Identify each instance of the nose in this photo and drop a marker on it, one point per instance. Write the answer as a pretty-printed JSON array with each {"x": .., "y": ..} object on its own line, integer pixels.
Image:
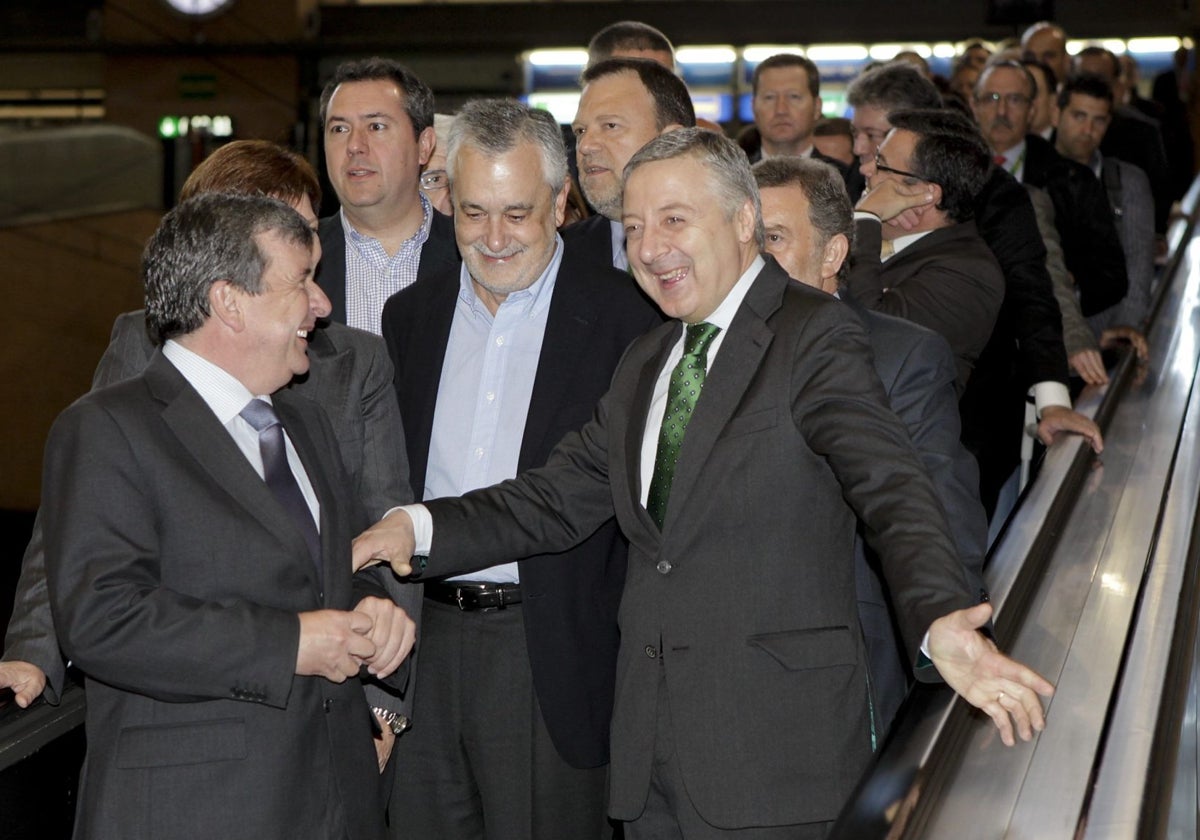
[
  {"x": 497, "y": 236},
  {"x": 585, "y": 144},
  {"x": 356, "y": 142},
  {"x": 781, "y": 105},
  {"x": 866, "y": 163},
  {"x": 318, "y": 303},
  {"x": 650, "y": 244},
  {"x": 863, "y": 147}
]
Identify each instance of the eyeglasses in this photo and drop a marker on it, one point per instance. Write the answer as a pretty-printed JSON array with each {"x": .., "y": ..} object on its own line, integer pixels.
[
  {"x": 434, "y": 179},
  {"x": 883, "y": 167},
  {"x": 1013, "y": 100}
]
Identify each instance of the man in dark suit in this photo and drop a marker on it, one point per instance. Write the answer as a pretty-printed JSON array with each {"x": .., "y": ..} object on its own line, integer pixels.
[
  {"x": 349, "y": 376},
  {"x": 939, "y": 273},
  {"x": 377, "y": 118},
  {"x": 196, "y": 527},
  {"x": 741, "y": 698},
  {"x": 625, "y": 104},
  {"x": 1025, "y": 354},
  {"x": 494, "y": 364},
  {"x": 809, "y": 229},
  {"x": 787, "y": 105}
]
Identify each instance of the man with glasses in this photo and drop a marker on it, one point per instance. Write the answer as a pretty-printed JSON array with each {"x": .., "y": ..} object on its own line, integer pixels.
[
  {"x": 1003, "y": 107},
  {"x": 939, "y": 273}
]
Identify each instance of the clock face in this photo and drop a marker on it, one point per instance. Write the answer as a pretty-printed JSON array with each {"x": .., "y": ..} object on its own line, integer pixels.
[{"x": 199, "y": 8}]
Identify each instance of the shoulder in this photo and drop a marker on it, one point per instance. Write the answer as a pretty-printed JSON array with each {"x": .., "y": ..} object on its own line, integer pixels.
[
  {"x": 586, "y": 228},
  {"x": 329, "y": 229}
]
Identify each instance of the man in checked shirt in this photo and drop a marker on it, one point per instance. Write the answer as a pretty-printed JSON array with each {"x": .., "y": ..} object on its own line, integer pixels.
[{"x": 377, "y": 118}]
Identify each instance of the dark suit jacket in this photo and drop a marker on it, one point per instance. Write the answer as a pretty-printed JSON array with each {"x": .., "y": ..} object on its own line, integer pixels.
[
  {"x": 351, "y": 378},
  {"x": 175, "y": 579},
  {"x": 569, "y": 607},
  {"x": 947, "y": 281},
  {"x": 1090, "y": 244},
  {"x": 439, "y": 252},
  {"x": 591, "y": 239},
  {"x": 916, "y": 368},
  {"x": 1026, "y": 345},
  {"x": 1138, "y": 140},
  {"x": 740, "y": 606}
]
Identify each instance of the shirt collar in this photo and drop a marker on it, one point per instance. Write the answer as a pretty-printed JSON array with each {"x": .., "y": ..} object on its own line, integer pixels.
[
  {"x": 416, "y": 240},
  {"x": 221, "y": 390},
  {"x": 1014, "y": 160},
  {"x": 722, "y": 316}
]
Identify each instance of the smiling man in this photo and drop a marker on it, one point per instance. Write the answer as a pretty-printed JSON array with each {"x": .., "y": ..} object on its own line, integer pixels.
[
  {"x": 735, "y": 446},
  {"x": 221, "y": 698},
  {"x": 377, "y": 118},
  {"x": 625, "y": 104},
  {"x": 495, "y": 362}
]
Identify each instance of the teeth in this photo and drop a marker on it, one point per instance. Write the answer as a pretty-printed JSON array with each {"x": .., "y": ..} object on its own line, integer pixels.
[
  {"x": 303, "y": 333},
  {"x": 671, "y": 275}
]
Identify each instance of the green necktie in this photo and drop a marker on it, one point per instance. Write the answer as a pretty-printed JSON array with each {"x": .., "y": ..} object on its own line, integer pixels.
[{"x": 686, "y": 381}]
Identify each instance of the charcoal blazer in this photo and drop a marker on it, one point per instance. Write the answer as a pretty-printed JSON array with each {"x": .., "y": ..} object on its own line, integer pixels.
[
  {"x": 591, "y": 239},
  {"x": 351, "y": 378},
  {"x": 175, "y": 578},
  {"x": 742, "y": 608},
  {"x": 569, "y": 604},
  {"x": 439, "y": 252}
]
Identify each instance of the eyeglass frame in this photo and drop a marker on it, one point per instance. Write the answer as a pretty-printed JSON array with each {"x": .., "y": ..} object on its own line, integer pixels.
[
  {"x": 1013, "y": 100},
  {"x": 435, "y": 172},
  {"x": 883, "y": 167}
]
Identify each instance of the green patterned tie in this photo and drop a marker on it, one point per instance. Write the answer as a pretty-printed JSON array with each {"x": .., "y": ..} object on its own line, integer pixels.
[{"x": 686, "y": 381}]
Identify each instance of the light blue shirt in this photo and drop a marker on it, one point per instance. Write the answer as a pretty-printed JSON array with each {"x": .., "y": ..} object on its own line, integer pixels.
[
  {"x": 372, "y": 276},
  {"x": 484, "y": 392}
]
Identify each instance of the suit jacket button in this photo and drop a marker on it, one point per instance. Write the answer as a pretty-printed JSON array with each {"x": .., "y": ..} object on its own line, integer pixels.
[
  {"x": 651, "y": 651},
  {"x": 664, "y": 566}
]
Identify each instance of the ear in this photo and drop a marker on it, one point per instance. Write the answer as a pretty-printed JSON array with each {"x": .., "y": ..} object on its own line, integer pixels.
[
  {"x": 834, "y": 255},
  {"x": 426, "y": 143},
  {"x": 225, "y": 305},
  {"x": 936, "y": 190},
  {"x": 744, "y": 221},
  {"x": 671, "y": 127},
  {"x": 817, "y": 108},
  {"x": 560, "y": 202}
]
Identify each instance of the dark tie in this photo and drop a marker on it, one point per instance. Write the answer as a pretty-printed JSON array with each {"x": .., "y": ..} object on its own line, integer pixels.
[
  {"x": 278, "y": 473},
  {"x": 686, "y": 381}
]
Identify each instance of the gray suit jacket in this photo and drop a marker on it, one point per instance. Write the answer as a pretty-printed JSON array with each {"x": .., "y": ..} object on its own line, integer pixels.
[
  {"x": 743, "y": 606},
  {"x": 175, "y": 579},
  {"x": 1132, "y": 203},
  {"x": 351, "y": 378}
]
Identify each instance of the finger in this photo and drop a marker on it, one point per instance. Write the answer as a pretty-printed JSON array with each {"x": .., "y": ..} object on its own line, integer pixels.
[
  {"x": 1016, "y": 709},
  {"x": 361, "y": 622},
  {"x": 1000, "y": 718},
  {"x": 402, "y": 567}
]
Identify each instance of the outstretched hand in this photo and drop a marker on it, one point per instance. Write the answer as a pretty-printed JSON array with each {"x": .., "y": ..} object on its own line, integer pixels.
[
  {"x": 987, "y": 679},
  {"x": 390, "y": 540}
]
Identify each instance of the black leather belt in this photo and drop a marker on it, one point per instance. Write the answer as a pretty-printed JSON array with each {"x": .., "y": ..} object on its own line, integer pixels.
[{"x": 474, "y": 596}]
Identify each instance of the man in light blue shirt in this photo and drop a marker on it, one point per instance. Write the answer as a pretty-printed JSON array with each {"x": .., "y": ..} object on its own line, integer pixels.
[{"x": 495, "y": 362}]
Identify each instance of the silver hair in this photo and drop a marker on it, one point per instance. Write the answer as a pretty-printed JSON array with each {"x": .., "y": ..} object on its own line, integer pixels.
[
  {"x": 732, "y": 181},
  {"x": 496, "y": 126},
  {"x": 210, "y": 237}
]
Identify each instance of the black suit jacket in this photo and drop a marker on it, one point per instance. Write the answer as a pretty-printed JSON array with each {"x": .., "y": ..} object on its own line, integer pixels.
[
  {"x": 1139, "y": 140},
  {"x": 1026, "y": 345},
  {"x": 591, "y": 239},
  {"x": 175, "y": 579},
  {"x": 947, "y": 281},
  {"x": 569, "y": 604},
  {"x": 1091, "y": 247},
  {"x": 439, "y": 252},
  {"x": 739, "y": 607}
]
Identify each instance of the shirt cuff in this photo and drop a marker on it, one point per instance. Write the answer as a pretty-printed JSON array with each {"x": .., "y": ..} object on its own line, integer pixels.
[
  {"x": 864, "y": 216},
  {"x": 1046, "y": 394},
  {"x": 422, "y": 521}
]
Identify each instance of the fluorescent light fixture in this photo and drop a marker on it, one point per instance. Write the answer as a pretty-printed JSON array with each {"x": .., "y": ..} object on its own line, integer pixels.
[
  {"x": 705, "y": 55},
  {"x": 758, "y": 52},
  {"x": 558, "y": 58},
  {"x": 1114, "y": 45},
  {"x": 838, "y": 52},
  {"x": 1073, "y": 47},
  {"x": 562, "y": 106},
  {"x": 1142, "y": 46},
  {"x": 944, "y": 50},
  {"x": 886, "y": 52}
]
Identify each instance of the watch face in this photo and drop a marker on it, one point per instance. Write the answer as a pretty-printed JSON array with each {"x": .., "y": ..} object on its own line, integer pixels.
[{"x": 198, "y": 8}]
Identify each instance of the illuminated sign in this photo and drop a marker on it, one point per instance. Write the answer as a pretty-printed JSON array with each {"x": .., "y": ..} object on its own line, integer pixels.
[{"x": 220, "y": 125}]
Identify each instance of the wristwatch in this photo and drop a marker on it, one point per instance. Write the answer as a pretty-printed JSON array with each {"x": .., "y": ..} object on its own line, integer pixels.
[{"x": 392, "y": 720}]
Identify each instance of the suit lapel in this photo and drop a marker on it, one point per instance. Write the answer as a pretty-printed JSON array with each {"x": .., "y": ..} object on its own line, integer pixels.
[
  {"x": 422, "y": 369},
  {"x": 737, "y": 363},
  {"x": 318, "y": 470},
  {"x": 331, "y": 273},
  {"x": 647, "y": 532},
  {"x": 192, "y": 422},
  {"x": 332, "y": 387}
]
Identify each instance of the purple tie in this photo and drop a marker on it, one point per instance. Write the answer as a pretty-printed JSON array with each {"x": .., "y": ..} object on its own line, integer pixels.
[{"x": 278, "y": 472}]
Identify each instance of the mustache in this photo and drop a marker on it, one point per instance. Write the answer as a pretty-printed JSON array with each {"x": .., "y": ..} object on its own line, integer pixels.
[
  {"x": 510, "y": 251},
  {"x": 1001, "y": 122}
]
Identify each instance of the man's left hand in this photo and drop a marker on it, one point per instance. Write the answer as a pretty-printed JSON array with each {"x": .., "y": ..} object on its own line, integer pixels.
[
  {"x": 987, "y": 679},
  {"x": 392, "y": 631},
  {"x": 1059, "y": 418}
]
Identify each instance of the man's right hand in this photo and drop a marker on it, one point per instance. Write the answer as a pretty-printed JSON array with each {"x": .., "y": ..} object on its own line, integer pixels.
[
  {"x": 333, "y": 644},
  {"x": 25, "y": 679},
  {"x": 890, "y": 199},
  {"x": 390, "y": 540}
]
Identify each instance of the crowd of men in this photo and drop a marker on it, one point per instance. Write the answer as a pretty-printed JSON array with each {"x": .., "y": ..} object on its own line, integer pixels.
[{"x": 663, "y": 530}]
